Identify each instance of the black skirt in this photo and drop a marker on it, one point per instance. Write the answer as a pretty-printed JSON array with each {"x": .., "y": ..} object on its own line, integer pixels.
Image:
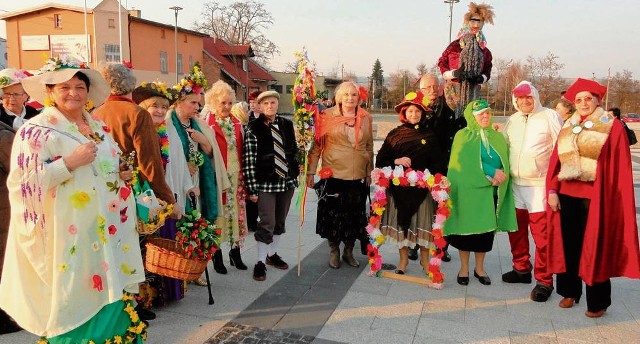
[
  {"x": 472, "y": 242},
  {"x": 342, "y": 209}
]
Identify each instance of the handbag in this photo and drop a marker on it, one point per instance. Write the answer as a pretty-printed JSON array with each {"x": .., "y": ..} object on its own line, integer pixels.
[
  {"x": 147, "y": 204},
  {"x": 631, "y": 135}
]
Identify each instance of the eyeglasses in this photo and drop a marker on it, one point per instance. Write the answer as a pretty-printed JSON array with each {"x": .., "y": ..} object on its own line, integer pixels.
[
  {"x": 478, "y": 20},
  {"x": 585, "y": 99},
  {"x": 14, "y": 95}
]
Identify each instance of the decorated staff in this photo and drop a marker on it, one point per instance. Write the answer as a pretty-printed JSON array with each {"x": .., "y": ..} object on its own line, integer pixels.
[{"x": 466, "y": 63}]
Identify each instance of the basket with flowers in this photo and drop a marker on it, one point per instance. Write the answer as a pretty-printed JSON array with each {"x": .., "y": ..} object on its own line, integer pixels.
[{"x": 198, "y": 237}]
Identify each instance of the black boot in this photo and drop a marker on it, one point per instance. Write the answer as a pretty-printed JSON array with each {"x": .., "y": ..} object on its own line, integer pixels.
[
  {"x": 363, "y": 245},
  {"x": 218, "y": 264},
  {"x": 235, "y": 259}
]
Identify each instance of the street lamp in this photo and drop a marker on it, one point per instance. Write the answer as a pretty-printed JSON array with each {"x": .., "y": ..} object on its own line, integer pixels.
[
  {"x": 176, "y": 9},
  {"x": 451, "y": 2}
]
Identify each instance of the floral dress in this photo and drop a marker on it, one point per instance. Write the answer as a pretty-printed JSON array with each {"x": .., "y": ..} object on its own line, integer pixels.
[{"x": 72, "y": 246}]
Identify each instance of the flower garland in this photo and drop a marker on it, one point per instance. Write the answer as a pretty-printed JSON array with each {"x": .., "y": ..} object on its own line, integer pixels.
[
  {"x": 226, "y": 124},
  {"x": 194, "y": 83},
  {"x": 164, "y": 142},
  {"x": 306, "y": 108},
  {"x": 438, "y": 185},
  {"x": 137, "y": 328}
]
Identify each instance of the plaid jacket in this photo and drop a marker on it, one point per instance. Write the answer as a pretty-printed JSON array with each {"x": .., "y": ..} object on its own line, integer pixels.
[{"x": 249, "y": 168}]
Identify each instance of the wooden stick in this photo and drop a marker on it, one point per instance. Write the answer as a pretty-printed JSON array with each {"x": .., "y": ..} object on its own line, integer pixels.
[{"x": 406, "y": 278}]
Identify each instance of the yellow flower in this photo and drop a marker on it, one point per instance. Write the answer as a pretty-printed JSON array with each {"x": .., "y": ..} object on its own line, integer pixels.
[
  {"x": 126, "y": 269},
  {"x": 117, "y": 340},
  {"x": 101, "y": 221},
  {"x": 42, "y": 341},
  {"x": 108, "y": 341},
  {"x": 143, "y": 84},
  {"x": 125, "y": 248},
  {"x": 416, "y": 126},
  {"x": 423, "y": 141},
  {"x": 80, "y": 199},
  {"x": 89, "y": 105},
  {"x": 64, "y": 267},
  {"x": 370, "y": 261},
  {"x": 380, "y": 239},
  {"x": 132, "y": 329},
  {"x": 379, "y": 211},
  {"x": 127, "y": 297},
  {"x": 91, "y": 342},
  {"x": 430, "y": 181},
  {"x": 395, "y": 181}
]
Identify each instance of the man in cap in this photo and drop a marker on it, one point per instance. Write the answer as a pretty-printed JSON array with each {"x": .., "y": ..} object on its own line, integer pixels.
[
  {"x": 270, "y": 170},
  {"x": 531, "y": 134},
  {"x": 13, "y": 110}
]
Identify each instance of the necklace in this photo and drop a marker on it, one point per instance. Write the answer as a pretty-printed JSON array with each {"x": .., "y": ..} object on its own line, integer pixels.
[{"x": 164, "y": 142}]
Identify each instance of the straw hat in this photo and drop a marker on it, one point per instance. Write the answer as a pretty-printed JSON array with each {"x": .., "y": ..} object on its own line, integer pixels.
[
  {"x": 12, "y": 76},
  {"x": 61, "y": 69}
]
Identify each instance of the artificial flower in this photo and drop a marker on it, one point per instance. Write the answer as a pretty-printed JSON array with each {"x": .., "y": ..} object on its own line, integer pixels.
[
  {"x": 325, "y": 173},
  {"x": 79, "y": 199},
  {"x": 72, "y": 229}
]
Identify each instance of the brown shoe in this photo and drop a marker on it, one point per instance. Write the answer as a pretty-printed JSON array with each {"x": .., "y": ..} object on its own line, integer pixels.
[
  {"x": 277, "y": 262},
  {"x": 334, "y": 255},
  {"x": 568, "y": 302},
  {"x": 595, "y": 314}
]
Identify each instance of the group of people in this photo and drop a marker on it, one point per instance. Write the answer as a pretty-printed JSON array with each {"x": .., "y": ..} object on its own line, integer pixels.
[{"x": 69, "y": 238}]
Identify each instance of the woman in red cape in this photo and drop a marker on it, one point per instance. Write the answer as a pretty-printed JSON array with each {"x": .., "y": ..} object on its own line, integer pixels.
[{"x": 593, "y": 234}]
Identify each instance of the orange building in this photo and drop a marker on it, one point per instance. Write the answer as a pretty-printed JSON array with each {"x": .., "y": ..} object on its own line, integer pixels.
[{"x": 35, "y": 33}]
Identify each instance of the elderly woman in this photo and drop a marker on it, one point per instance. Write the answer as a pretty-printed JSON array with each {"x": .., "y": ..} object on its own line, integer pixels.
[
  {"x": 409, "y": 215},
  {"x": 228, "y": 132},
  {"x": 72, "y": 246},
  {"x": 565, "y": 108},
  {"x": 240, "y": 111},
  {"x": 593, "y": 235},
  {"x": 481, "y": 192},
  {"x": 156, "y": 98},
  {"x": 13, "y": 110},
  {"x": 198, "y": 144},
  {"x": 466, "y": 62},
  {"x": 344, "y": 142}
]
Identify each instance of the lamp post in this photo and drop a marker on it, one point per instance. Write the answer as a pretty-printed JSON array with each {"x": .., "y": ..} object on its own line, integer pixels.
[
  {"x": 451, "y": 2},
  {"x": 176, "y": 9}
]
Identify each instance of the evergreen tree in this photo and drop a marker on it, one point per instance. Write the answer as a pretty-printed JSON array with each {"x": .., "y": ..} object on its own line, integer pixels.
[{"x": 377, "y": 81}]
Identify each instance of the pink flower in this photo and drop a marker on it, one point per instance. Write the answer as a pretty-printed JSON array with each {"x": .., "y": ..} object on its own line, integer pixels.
[
  {"x": 52, "y": 119},
  {"x": 113, "y": 206},
  {"x": 435, "y": 262},
  {"x": 380, "y": 195},
  {"x": 73, "y": 229},
  {"x": 105, "y": 266}
]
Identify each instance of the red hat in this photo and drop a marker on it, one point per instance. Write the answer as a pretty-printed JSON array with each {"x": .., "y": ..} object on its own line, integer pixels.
[
  {"x": 414, "y": 98},
  {"x": 253, "y": 95},
  {"x": 582, "y": 85}
]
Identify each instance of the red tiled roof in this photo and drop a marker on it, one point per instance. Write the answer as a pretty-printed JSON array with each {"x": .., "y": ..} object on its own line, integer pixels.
[
  {"x": 232, "y": 63},
  {"x": 244, "y": 50}
]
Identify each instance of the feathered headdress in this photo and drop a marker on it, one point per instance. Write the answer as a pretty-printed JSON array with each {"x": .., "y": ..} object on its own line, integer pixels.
[{"x": 483, "y": 10}]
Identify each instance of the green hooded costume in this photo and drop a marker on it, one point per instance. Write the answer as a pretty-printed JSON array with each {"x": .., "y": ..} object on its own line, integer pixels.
[{"x": 472, "y": 194}]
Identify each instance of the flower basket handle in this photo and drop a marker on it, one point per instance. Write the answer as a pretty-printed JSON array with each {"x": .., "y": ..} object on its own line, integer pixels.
[{"x": 192, "y": 199}]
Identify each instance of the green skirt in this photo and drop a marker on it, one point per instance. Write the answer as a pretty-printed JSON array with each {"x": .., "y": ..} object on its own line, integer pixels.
[{"x": 112, "y": 321}]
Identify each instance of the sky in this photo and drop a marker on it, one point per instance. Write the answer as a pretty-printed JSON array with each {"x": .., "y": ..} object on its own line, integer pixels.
[{"x": 589, "y": 36}]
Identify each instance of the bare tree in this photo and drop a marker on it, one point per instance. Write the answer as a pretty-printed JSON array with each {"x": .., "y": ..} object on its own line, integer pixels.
[
  {"x": 241, "y": 22},
  {"x": 400, "y": 83},
  {"x": 544, "y": 73},
  {"x": 422, "y": 69},
  {"x": 624, "y": 92}
]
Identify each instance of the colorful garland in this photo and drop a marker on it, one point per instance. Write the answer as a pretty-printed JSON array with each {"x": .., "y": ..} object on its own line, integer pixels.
[
  {"x": 164, "y": 142},
  {"x": 137, "y": 328},
  {"x": 438, "y": 185},
  {"x": 306, "y": 108}
]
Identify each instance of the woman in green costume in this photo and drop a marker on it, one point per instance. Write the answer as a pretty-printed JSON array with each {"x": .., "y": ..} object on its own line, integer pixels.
[{"x": 480, "y": 190}]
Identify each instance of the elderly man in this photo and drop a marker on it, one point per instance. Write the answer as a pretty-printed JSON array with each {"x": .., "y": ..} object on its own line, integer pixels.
[
  {"x": 271, "y": 171},
  {"x": 531, "y": 134},
  {"x": 445, "y": 125},
  {"x": 13, "y": 110}
]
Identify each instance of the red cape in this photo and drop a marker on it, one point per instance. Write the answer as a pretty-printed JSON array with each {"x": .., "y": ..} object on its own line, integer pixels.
[{"x": 610, "y": 246}]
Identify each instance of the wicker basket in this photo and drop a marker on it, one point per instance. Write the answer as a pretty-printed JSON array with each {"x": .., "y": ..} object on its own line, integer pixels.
[{"x": 164, "y": 257}]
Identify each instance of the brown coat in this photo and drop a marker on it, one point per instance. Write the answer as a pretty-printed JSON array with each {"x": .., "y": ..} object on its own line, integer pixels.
[
  {"x": 6, "y": 140},
  {"x": 133, "y": 129},
  {"x": 339, "y": 154}
]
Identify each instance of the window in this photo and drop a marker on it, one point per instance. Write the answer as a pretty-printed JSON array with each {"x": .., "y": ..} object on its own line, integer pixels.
[
  {"x": 57, "y": 21},
  {"x": 289, "y": 89},
  {"x": 179, "y": 63},
  {"x": 112, "y": 52},
  {"x": 162, "y": 33},
  {"x": 112, "y": 23},
  {"x": 185, "y": 38},
  {"x": 163, "y": 62},
  {"x": 277, "y": 88}
]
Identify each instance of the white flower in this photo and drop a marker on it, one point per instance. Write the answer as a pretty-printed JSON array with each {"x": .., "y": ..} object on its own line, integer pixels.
[
  {"x": 412, "y": 177},
  {"x": 398, "y": 171},
  {"x": 426, "y": 175}
]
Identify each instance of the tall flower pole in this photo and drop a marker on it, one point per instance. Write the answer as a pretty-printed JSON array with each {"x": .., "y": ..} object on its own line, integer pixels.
[{"x": 304, "y": 103}]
